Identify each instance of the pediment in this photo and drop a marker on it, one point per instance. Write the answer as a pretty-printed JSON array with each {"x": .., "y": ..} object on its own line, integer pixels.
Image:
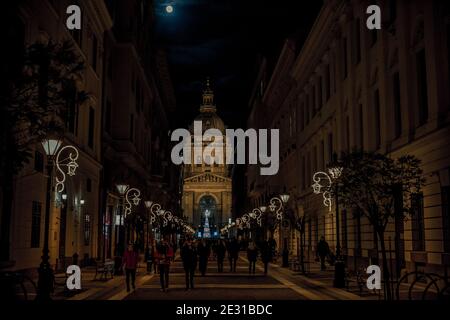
[{"x": 207, "y": 177}]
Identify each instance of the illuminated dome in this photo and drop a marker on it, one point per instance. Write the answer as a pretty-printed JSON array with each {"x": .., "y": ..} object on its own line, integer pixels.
[{"x": 208, "y": 115}]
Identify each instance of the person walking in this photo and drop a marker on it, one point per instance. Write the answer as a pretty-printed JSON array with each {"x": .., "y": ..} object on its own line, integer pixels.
[
  {"x": 129, "y": 262},
  {"x": 203, "y": 255},
  {"x": 189, "y": 257},
  {"x": 220, "y": 255},
  {"x": 233, "y": 254},
  {"x": 154, "y": 255},
  {"x": 266, "y": 255},
  {"x": 164, "y": 256},
  {"x": 323, "y": 250},
  {"x": 252, "y": 255}
]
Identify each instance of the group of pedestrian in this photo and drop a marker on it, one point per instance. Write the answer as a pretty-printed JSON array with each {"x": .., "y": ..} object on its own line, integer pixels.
[{"x": 160, "y": 255}]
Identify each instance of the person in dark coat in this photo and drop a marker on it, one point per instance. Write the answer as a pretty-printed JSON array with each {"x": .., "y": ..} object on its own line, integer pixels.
[
  {"x": 164, "y": 254},
  {"x": 252, "y": 255},
  {"x": 203, "y": 255},
  {"x": 266, "y": 255},
  {"x": 220, "y": 254},
  {"x": 323, "y": 250},
  {"x": 233, "y": 254},
  {"x": 189, "y": 256}
]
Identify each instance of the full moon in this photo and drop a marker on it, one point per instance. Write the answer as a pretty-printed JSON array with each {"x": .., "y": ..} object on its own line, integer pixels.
[{"x": 169, "y": 9}]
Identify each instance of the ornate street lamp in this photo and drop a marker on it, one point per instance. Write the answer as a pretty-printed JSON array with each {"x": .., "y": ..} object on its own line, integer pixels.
[
  {"x": 121, "y": 188},
  {"x": 70, "y": 162},
  {"x": 132, "y": 198},
  {"x": 53, "y": 151},
  {"x": 327, "y": 184}
]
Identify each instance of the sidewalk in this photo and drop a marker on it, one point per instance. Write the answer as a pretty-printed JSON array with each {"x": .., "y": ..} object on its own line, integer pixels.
[{"x": 325, "y": 279}]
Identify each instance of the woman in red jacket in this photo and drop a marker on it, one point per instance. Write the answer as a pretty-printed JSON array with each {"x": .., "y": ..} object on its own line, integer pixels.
[{"x": 130, "y": 261}]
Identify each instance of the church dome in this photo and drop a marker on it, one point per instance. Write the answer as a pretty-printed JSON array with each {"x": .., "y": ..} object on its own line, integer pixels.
[{"x": 208, "y": 115}]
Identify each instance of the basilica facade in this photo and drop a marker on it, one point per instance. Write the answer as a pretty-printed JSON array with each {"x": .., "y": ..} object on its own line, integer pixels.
[{"x": 207, "y": 198}]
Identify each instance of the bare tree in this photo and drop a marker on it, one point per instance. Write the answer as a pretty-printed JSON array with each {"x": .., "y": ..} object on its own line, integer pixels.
[{"x": 370, "y": 182}]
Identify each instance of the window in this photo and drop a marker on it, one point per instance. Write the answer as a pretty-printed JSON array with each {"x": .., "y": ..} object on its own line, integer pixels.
[
  {"x": 357, "y": 226},
  {"x": 294, "y": 117},
  {"x": 88, "y": 185},
  {"x": 138, "y": 96},
  {"x": 72, "y": 112},
  {"x": 110, "y": 68},
  {"x": 330, "y": 147},
  {"x": 373, "y": 37},
  {"x": 319, "y": 94},
  {"x": 308, "y": 168},
  {"x": 108, "y": 116},
  {"x": 314, "y": 168},
  {"x": 38, "y": 161},
  {"x": 376, "y": 104},
  {"x": 36, "y": 211},
  {"x": 418, "y": 228},
  {"x": 327, "y": 83},
  {"x": 392, "y": 10},
  {"x": 448, "y": 50},
  {"x": 87, "y": 229},
  {"x": 445, "y": 194},
  {"x": 361, "y": 126},
  {"x": 316, "y": 225},
  {"x": 422, "y": 89},
  {"x": 309, "y": 233},
  {"x": 91, "y": 130},
  {"x": 344, "y": 53},
  {"x": 307, "y": 110},
  {"x": 322, "y": 156},
  {"x": 347, "y": 133},
  {"x": 94, "y": 52},
  {"x": 302, "y": 117},
  {"x": 131, "y": 127},
  {"x": 357, "y": 41},
  {"x": 77, "y": 36},
  {"x": 290, "y": 126},
  {"x": 303, "y": 173},
  {"x": 397, "y": 104},
  {"x": 344, "y": 229}
]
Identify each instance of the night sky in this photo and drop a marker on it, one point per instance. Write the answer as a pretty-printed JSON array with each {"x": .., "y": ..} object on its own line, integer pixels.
[{"x": 223, "y": 39}]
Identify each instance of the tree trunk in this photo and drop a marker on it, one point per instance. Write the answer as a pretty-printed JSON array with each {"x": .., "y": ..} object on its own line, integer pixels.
[{"x": 386, "y": 276}]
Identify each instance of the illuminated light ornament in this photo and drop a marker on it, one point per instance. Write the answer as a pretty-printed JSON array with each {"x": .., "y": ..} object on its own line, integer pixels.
[
  {"x": 70, "y": 162},
  {"x": 335, "y": 172},
  {"x": 131, "y": 195},
  {"x": 278, "y": 209},
  {"x": 320, "y": 176},
  {"x": 122, "y": 188}
]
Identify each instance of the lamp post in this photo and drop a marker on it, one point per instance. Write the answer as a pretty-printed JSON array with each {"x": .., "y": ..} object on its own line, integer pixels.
[
  {"x": 53, "y": 151},
  {"x": 132, "y": 198},
  {"x": 328, "y": 190},
  {"x": 148, "y": 204},
  {"x": 121, "y": 188},
  {"x": 45, "y": 282}
]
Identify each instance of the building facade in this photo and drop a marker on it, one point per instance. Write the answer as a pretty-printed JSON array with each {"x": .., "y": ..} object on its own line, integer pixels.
[
  {"x": 375, "y": 90},
  {"x": 121, "y": 133},
  {"x": 138, "y": 97},
  {"x": 74, "y": 220},
  {"x": 207, "y": 195}
]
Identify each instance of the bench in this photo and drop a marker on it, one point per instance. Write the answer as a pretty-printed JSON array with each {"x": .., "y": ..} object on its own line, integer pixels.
[{"x": 104, "y": 268}]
